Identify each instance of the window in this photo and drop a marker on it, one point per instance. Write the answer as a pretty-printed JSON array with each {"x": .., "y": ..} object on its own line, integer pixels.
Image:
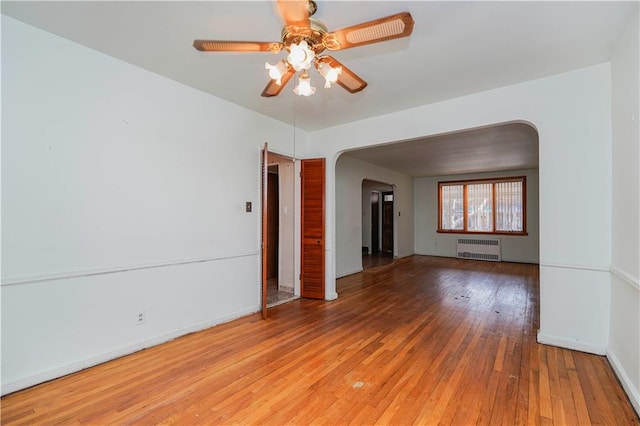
[{"x": 493, "y": 206}]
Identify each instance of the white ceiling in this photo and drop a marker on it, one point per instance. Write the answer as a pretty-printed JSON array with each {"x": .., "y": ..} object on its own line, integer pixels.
[
  {"x": 506, "y": 147},
  {"x": 457, "y": 48}
]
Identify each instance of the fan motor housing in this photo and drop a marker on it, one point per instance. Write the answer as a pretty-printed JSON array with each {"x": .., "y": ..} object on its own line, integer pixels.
[{"x": 313, "y": 35}]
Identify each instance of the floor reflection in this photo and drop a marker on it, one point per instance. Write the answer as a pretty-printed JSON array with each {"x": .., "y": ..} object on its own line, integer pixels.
[{"x": 376, "y": 259}]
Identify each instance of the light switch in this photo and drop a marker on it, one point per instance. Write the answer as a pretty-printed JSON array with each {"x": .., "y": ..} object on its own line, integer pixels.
[{"x": 247, "y": 206}]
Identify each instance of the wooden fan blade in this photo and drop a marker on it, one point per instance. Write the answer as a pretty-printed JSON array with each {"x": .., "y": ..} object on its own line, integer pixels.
[
  {"x": 382, "y": 29},
  {"x": 347, "y": 79},
  {"x": 295, "y": 12},
  {"x": 273, "y": 89},
  {"x": 237, "y": 46}
]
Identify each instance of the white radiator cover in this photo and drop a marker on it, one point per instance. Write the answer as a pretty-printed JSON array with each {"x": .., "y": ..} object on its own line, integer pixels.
[{"x": 479, "y": 249}]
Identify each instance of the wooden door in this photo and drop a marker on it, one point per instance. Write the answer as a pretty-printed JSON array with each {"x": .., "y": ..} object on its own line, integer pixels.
[
  {"x": 387, "y": 222},
  {"x": 312, "y": 220},
  {"x": 263, "y": 251},
  {"x": 375, "y": 220}
]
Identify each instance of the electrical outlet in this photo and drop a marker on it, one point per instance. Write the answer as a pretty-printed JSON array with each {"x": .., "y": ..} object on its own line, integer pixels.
[{"x": 140, "y": 318}]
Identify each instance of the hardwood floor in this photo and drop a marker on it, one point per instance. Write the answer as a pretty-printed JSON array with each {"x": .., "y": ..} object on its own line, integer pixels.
[
  {"x": 422, "y": 341},
  {"x": 376, "y": 259}
]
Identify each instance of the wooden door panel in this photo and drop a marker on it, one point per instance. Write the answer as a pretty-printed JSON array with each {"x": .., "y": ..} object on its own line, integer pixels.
[
  {"x": 313, "y": 276},
  {"x": 312, "y": 220}
]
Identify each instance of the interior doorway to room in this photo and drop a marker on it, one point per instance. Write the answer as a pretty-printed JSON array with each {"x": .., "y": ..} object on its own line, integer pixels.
[
  {"x": 273, "y": 201},
  {"x": 387, "y": 223},
  {"x": 280, "y": 230},
  {"x": 377, "y": 224}
]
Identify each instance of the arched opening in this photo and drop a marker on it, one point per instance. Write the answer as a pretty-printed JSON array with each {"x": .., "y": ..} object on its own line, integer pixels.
[{"x": 416, "y": 167}]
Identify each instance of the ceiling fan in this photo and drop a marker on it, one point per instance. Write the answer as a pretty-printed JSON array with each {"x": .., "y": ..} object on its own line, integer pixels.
[{"x": 304, "y": 38}]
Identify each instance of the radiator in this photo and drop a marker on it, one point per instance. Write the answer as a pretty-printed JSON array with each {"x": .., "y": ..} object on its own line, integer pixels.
[{"x": 479, "y": 249}]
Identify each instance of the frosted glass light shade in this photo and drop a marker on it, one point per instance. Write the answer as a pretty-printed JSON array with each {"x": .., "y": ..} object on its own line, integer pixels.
[
  {"x": 276, "y": 71},
  {"x": 304, "y": 87},
  {"x": 329, "y": 73},
  {"x": 300, "y": 56}
]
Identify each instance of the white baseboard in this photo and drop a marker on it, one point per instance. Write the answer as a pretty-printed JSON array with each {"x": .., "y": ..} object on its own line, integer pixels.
[
  {"x": 546, "y": 339},
  {"x": 344, "y": 274},
  {"x": 627, "y": 385},
  {"x": 120, "y": 352}
]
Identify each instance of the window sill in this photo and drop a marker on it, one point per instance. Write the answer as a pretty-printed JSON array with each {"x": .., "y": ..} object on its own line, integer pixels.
[{"x": 518, "y": 234}]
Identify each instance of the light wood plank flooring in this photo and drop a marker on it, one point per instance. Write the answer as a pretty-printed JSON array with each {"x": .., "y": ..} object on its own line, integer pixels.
[
  {"x": 422, "y": 341},
  {"x": 376, "y": 259}
]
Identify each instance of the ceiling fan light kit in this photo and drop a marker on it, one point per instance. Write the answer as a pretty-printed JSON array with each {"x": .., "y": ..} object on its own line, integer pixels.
[{"x": 304, "y": 38}]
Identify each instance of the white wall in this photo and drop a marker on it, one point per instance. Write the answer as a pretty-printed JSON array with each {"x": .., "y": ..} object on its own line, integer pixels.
[
  {"x": 624, "y": 339},
  {"x": 348, "y": 206},
  {"x": 122, "y": 192},
  {"x": 430, "y": 242},
  {"x": 572, "y": 114}
]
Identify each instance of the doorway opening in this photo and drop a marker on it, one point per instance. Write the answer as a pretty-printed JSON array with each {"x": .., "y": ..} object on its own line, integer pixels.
[
  {"x": 377, "y": 224},
  {"x": 280, "y": 230}
]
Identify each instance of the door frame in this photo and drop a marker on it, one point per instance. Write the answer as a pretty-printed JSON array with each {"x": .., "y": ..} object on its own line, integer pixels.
[
  {"x": 264, "y": 170},
  {"x": 384, "y": 228},
  {"x": 375, "y": 221},
  {"x": 295, "y": 211}
]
